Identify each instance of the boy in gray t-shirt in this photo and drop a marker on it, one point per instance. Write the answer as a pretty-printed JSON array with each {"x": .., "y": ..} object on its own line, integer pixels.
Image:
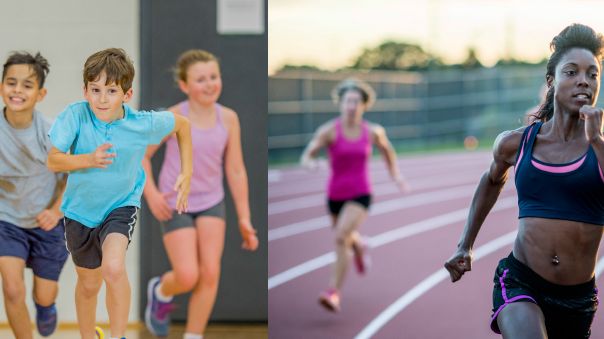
[{"x": 31, "y": 227}]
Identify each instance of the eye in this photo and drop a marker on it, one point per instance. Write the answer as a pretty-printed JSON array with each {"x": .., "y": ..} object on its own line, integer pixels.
[
  {"x": 112, "y": 91},
  {"x": 570, "y": 73},
  {"x": 95, "y": 90}
]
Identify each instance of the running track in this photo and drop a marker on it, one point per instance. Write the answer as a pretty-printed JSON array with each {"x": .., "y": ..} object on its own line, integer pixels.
[{"x": 407, "y": 294}]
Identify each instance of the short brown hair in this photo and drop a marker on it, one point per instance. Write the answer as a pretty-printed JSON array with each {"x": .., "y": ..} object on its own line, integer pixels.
[
  {"x": 116, "y": 64},
  {"x": 352, "y": 84},
  {"x": 38, "y": 63},
  {"x": 190, "y": 57}
]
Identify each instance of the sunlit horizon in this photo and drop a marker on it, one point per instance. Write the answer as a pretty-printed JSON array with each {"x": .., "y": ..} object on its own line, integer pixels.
[{"x": 330, "y": 34}]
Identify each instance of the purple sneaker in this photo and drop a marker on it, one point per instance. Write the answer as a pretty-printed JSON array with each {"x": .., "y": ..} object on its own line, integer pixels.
[
  {"x": 157, "y": 313},
  {"x": 46, "y": 319}
]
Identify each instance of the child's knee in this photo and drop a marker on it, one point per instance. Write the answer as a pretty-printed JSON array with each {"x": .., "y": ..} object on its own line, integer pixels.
[
  {"x": 13, "y": 291},
  {"x": 210, "y": 275},
  {"x": 45, "y": 294},
  {"x": 187, "y": 279},
  {"x": 113, "y": 271},
  {"x": 89, "y": 287}
]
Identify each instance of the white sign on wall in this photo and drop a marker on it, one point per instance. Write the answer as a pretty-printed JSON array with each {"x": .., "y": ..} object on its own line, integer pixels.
[{"x": 240, "y": 17}]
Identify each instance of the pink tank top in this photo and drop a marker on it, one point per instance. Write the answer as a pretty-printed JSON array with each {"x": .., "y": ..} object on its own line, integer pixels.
[
  {"x": 349, "y": 160},
  {"x": 208, "y": 152}
]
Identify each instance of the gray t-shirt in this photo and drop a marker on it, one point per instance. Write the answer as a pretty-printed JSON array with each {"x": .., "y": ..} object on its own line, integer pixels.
[{"x": 26, "y": 185}]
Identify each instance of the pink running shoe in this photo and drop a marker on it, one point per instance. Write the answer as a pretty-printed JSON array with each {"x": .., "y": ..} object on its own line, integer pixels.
[
  {"x": 362, "y": 260},
  {"x": 330, "y": 299}
]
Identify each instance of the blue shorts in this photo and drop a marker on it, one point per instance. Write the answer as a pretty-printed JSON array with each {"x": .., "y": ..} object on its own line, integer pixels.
[{"x": 43, "y": 251}]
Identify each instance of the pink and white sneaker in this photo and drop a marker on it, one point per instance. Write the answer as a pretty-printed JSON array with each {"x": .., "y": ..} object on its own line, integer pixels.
[
  {"x": 362, "y": 260},
  {"x": 330, "y": 299}
]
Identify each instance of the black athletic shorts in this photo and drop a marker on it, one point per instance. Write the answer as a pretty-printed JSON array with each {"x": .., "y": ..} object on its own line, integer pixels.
[
  {"x": 86, "y": 243},
  {"x": 568, "y": 310},
  {"x": 335, "y": 206}
]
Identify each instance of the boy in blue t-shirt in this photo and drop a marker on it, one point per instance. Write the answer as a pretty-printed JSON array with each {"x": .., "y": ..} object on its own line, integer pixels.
[
  {"x": 101, "y": 143},
  {"x": 31, "y": 228}
]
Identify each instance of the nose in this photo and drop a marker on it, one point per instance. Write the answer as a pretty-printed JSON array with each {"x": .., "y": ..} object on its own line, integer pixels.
[
  {"x": 582, "y": 79},
  {"x": 103, "y": 97}
]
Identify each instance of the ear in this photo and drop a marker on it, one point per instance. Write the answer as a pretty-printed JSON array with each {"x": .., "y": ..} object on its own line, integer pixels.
[
  {"x": 183, "y": 87},
  {"x": 128, "y": 95},
  {"x": 41, "y": 94},
  {"x": 549, "y": 80},
  {"x": 84, "y": 90}
]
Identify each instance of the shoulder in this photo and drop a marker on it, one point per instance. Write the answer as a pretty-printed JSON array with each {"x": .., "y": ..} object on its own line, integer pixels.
[
  {"x": 78, "y": 106},
  {"x": 507, "y": 143},
  {"x": 75, "y": 112},
  {"x": 375, "y": 128},
  {"x": 44, "y": 121},
  {"x": 327, "y": 127},
  {"x": 228, "y": 115},
  {"x": 327, "y": 131},
  {"x": 134, "y": 114}
]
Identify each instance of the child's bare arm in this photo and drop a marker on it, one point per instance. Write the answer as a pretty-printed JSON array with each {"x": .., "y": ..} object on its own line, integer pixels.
[
  {"x": 182, "y": 128},
  {"x": 49, "y": 218},
  {"x": 237, "y": 180},
  {"x": 63, "y": 162}
]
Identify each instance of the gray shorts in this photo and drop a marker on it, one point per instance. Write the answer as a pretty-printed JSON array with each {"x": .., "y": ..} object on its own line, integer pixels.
[{"x": 188, "y": 219}]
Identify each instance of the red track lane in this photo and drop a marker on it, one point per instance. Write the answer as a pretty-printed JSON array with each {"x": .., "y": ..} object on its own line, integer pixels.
[{"x": 446, "y": 310}]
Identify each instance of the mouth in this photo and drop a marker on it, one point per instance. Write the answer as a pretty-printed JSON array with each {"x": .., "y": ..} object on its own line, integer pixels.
[
  {"x": 16, "y": 100},
  {"x": 582, "y": 96}
]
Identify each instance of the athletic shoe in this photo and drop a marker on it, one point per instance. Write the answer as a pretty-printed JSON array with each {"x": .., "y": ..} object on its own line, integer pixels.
[
  {"x": 330, "y": 299},
  {"x": 157, "y": 313},
  {"x": 46, "y": 319},
  {"x": 98, "y": 332},
  {"x": 362, "y": 260}
]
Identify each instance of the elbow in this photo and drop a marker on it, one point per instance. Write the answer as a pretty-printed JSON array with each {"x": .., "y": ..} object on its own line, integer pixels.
[
  {"x": 52, "y": 166},
  {"x": 235, "y": 172}
]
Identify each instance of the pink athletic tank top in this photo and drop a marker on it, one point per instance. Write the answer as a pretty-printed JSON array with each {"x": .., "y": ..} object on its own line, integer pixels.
[
  {"x": 349, "y": 160},
  {"x": 208, "y": 151}
]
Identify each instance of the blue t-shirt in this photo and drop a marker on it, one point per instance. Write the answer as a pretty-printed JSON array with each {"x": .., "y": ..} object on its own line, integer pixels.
[{"x": 92, "y": 193}]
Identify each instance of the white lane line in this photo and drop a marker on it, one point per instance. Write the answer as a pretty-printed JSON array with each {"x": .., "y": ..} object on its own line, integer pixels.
[
  {"x": 377, "y": 209},
  {"x": 319, "y": 199},
  {"x": 274, "y": 176},
  {"x": 383, "y": 239},
  {"x": 315, "y": 182},
  {"x": 295, "y": 172},
  {"x": 400, "y": 304}
]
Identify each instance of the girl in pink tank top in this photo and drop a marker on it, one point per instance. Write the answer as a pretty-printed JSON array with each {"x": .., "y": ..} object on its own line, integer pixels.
[
  {"x": 349, "y": 141},
  {"x": 194, "y": 240},
  {"x": 349, "y": 162}
]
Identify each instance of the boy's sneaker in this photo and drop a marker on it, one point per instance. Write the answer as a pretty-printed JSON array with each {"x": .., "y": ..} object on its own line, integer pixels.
[
  {"x": 98, "y": 332},
  {"x": 157, "y": 313},
  {"x": 46, "y": 319},
  {"x": 330, "y": 299},
  {"x": 362, "y": 260}
]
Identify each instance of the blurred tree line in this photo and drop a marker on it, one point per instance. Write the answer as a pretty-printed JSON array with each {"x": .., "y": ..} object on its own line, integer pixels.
[{"x": 395, "y": 55}]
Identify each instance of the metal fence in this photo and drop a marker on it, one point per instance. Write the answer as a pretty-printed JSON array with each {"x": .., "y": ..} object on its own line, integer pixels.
[{"x": 420, "y": 110}]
